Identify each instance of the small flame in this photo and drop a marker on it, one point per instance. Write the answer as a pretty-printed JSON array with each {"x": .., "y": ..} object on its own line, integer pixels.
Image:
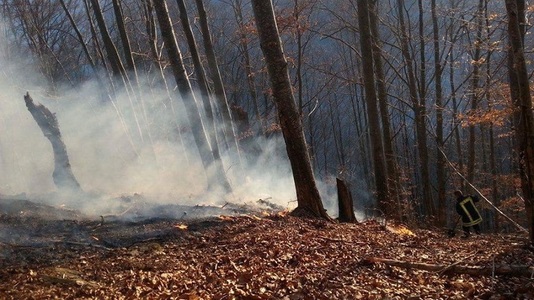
[{"x": 181, "y": 226}]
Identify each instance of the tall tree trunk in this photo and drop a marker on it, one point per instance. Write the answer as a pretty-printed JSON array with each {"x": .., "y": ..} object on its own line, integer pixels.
[
  {"x": 113, "y": 55},
  {"x": 422, "y": 51},
  {"x": 78, "y": 35},
  {"x": 475, "y": 92},
  {"x": 389, "y": 154},
  {"x": 123, "y": 35},
  {"x": 490, "y": 100},
  {"x": 380, "y": 172},
  {"x": 200, "y": 74},
  {"x": 100, "y": 55},
  {"x": 133, "y": 83},
  {"x": 184, "y": 86},
  {"x": 522, "y": 102},
  {"x": 251, "y": 81},
  {"x": 441, "y": 163},
  {"x": 218, "y": 85},
  {"x": 419, "y": 109},
  {"x": 308, "y": 198},
  {"x": 202, "y": 82},
  {"x": 455, "y": 128},
  {"x": 151, "y": 29}
]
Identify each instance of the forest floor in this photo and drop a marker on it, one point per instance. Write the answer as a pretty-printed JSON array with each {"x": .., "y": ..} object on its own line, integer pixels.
[{"x": 46, "y": 255}]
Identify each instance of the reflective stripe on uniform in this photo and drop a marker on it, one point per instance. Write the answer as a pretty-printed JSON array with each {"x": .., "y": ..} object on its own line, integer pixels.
[{"x": 472, "y": 220}]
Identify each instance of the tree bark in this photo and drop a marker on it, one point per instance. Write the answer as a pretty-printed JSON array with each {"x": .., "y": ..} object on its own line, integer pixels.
[
  {"x": 308, "y": 198},
  {"x": 440, "y": 161},
  {"x": 113, "y": 55},
  {"x": 184, "y": 86},
  {"x": 380, "y": 171},
  {"x": 200, "y": 75},
  {"x": 251, "y": 81},
  {"x": 393, "y": 173},
  {"x": 218, "y": 86},
  {"x": 475, "y": 92},
  {"x": 523, "y": 117},
  {"x": 346, "y": 207},
  {"x": 124, "y": 35},
  {"x": 63, "y": 177},
  {"x": 419, "y": 108}
]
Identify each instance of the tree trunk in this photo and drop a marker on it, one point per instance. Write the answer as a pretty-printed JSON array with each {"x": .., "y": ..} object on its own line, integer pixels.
[
  {"x": 475, "y": 92},
  {"x": 456, "y": 130},
  {"x": 440, "y": 164},
  {"x": 393, "y": 176},
  {"x": 308, "y": 198},
  {"x": 63, "y": 177},
  {"x": 124, "y": 35},
  {"x": 346, "y": 207},
  {"x": 251, "y": 82},
  {"x": 380, "y": 172},
  {"x": 218, "y": 85},
  {"x": 184, "y": 86},
  {"x": 111, "y": 50},
  {"x": 78, "y": 35},
  {"x": 200, "y": 75},
  {"x": 203, "y": 84},
  {"x": 419, "y": 108},
  {"x": 521, "y": 100}
]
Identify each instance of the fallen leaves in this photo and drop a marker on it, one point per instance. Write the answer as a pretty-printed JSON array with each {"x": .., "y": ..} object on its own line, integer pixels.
[{"x": 276, "y": 257}]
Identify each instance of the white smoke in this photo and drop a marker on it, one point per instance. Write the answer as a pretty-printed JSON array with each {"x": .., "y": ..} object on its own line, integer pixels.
[{"x": 120, "y": 146}]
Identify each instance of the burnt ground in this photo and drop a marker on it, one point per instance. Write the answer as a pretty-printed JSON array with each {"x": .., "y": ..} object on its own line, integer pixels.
[{"x": 232, "y": 252}]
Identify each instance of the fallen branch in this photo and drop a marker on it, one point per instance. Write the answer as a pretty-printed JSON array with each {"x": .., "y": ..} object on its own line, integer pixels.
[
  {"x": 444, "y": 270},
  {"x": 85, "y": 245},
  {"x": 504, "y": 270}
]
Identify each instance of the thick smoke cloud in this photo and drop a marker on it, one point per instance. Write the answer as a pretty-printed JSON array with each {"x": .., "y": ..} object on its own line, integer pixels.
[{"x": 120, "y": 145}]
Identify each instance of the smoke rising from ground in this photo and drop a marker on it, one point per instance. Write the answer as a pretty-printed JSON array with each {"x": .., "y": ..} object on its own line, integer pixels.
[{"x": 122, "y": 145}]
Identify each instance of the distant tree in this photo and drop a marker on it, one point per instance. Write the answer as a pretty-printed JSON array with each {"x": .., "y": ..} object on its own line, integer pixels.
[
  {"x": 308, "y": 198},
  {"x": 113, "y": 55}
]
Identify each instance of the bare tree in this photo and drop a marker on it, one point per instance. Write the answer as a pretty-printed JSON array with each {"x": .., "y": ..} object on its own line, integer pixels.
[
  {"x": 113, "y": 55},
  {"x": 419, "y": 109},
  {"x": 308, "y": 198},
  {"x": 438, "y": 81},
  {"x": 218, "y": 86},
  {"x": 202, "y": 81},
  {"x": 380, "y": 171},
  {"x": 184, "y": 86}
]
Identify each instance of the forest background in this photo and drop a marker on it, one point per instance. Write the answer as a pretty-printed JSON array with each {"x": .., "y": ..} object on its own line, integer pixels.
[{"x": 442, "y": 105}]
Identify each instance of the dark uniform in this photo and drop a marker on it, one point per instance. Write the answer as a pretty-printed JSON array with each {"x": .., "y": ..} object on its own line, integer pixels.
[{"x": 465, "y": 207}]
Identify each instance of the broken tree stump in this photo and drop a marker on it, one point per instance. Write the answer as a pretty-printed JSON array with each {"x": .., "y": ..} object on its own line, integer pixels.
[
  {"x": 346, "y": 207},
  {"x": 63, "y": 177}
]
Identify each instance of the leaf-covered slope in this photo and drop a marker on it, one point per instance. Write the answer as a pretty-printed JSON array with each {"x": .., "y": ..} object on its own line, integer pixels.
[{"x": 276, "y": 257}]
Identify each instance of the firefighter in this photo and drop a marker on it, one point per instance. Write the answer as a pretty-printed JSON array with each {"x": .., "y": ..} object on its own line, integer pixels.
[{"x": 465, "y": 207}]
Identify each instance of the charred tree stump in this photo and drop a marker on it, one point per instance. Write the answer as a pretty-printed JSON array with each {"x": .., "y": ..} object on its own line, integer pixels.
[
  {"x": 63, "y": 177},
  {"x": 346, "y": 208}
]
